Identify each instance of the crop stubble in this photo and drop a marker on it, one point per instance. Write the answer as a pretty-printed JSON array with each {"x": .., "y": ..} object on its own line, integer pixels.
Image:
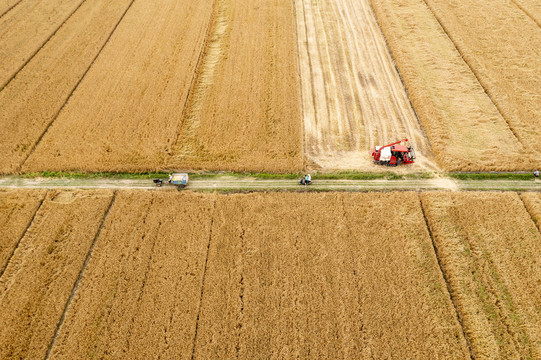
[
  {"x": 140, "y": 293},
  {"x": 324, "y": 276},
  {"x": 243, "y": 112},
  {"x": 489, "y": 249},
  {"x": 42, "y": 272},
  {"x": 466, "y": 130},
  {"x": 353, "y": 98},
  {"x": 504, "y": 52},
  {"x": 125, "y": 113},
  {"x": 31, "y": 101},
  {"x": 17, "y": 208},
  {"x": 25, "y": 29}
]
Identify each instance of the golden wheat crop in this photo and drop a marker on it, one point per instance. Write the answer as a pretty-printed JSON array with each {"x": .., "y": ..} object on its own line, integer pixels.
[
  {"x": 465, "y": 129},
  {"x": 17, "y": 208},
  {"x": 532, "y": 8},
  {"x": 502, "y": 51},
  {"x": 40, "y": 276},
  {"x": 140, "y": 294},
  {"x": 32, "y": 100},
  {"x": 243, "y": 112},
  {"x": 489, "y": 249},
  {"x": 26, "y": 28},
  {"x": 325, "y": 276},
  {"x": 124, "y": 116},
  {"x": 532, "y": 201}
]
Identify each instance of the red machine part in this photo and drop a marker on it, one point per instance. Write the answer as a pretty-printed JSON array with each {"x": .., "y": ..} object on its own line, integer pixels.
[{"x": 394, "y": 155}]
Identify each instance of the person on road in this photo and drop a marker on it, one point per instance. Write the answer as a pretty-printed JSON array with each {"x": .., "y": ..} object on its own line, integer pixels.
[
  {"x": 308, "y": 179},
  {"x": 536, "y": 173}
]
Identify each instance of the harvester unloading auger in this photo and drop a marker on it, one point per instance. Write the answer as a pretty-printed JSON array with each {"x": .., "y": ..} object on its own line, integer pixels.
[{"x": 393, "y": 154}]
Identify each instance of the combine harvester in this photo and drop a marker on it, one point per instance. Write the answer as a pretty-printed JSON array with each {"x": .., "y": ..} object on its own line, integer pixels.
[{"x": 393, "y": 154}]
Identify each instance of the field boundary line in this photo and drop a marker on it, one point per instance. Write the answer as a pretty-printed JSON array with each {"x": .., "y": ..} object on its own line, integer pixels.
[
  {"x": 30, "y": 223},
  {"x": 474, "y": 72},
  {"x": 527, "y": 207},
  {"x": 445, "y": 278},
  {"x": 76, "y": 285},
  {"x": 3, "y": 86},
  {"x": 526, "y": 12},
  {"x": 73, "y": 90},
  {"x": 299, "y": 88},
  {"x": 10, "y": 8},
  {"x": 193, "y": 80},
  {"x": 203, "y": 278},
  {"x": 371, "y": 4}
]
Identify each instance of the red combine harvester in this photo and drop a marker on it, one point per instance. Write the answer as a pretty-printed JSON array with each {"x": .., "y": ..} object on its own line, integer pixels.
[{"x": 393, "y": 154}]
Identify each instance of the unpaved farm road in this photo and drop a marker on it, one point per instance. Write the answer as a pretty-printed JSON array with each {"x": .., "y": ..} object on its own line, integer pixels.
[{"x": 230, "y": 183}]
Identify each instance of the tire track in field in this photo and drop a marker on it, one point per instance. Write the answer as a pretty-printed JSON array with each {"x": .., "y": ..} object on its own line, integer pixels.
[
  {"x": 445, "y": 276},
  {"x": 23, "y": 235},
  {"x": 41, "y": 46},
  {"x": 31, "y": 152},
  {"x": 10, "y": 8},
  {"x": 474, "y": 72},
  {"x": 353, "y": 96},
  {"x": 80, "y": 276},
  {"x": 194, "y": 341}
]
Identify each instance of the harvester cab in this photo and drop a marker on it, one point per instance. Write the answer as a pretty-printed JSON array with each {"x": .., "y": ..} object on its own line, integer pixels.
[{"x": 393, "y": 154}]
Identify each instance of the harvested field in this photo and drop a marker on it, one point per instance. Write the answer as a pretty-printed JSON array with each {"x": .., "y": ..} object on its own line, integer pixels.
[
  {"x": 17, "y": 209},
  {"x": 337, "y": 282},
  {"x": 466, "y": 130},
  {"x": 502, "y": 45},
  {"x": 40, "y": 276},
  {"x": 125, "y": 114},
  {"x": 26, "y": 28},
  {"x": 489, "y": 249},
  {"x": 139, "y": 296},
  {"x": 353, "y": 98},
  {"x": 31, "y": 101},
  {"x": 243, "y": 112}
]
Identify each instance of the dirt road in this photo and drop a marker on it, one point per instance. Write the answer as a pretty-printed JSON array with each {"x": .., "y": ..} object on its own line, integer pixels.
[
  {"x": 353, "y": 98},
  {"x": 233, "y": 183}
]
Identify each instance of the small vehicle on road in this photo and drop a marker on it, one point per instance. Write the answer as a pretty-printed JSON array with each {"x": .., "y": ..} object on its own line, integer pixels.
[{"x": 180, "y": 180}]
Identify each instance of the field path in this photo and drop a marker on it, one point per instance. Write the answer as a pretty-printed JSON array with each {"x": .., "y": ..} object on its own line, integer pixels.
[
  {"x": 353, "y": 97},
  {"x": 233, "y": 183}
]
